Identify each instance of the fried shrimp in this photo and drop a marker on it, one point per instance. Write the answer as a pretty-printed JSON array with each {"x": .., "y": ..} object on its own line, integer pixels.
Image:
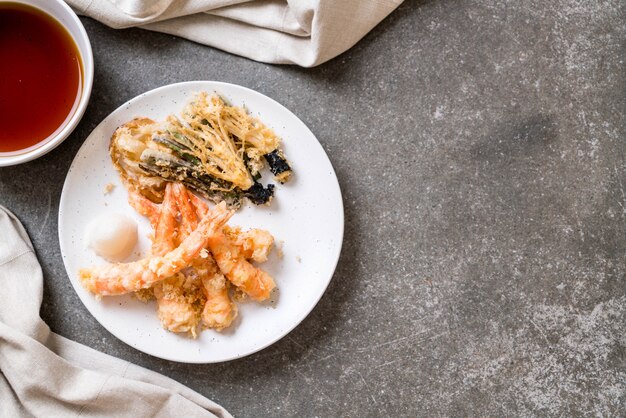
[
  {"x": 254, "y": 282},
  {"x": 219, "y": 310},
  {"x": 231, "y": 260},
  {"x": 116, "y": 279},
  {"x": 174, "y": 310}
]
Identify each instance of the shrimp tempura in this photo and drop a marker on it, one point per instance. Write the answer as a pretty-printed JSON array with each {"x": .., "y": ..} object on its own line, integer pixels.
[
  {"x": 121, "y": 278},
  {"x": 219, "y": 310},
  {"x": 253, "y": 281},
  {"x": 174, "y": 310}
]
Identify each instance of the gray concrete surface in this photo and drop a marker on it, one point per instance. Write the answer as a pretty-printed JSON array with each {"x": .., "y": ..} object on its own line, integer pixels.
[{"x": 480, "y": 148}]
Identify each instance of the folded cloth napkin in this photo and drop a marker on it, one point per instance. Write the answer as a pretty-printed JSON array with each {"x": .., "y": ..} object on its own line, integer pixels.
[
  {"x": 45, "y": 374},
  {"x": 303, "y": 32}
]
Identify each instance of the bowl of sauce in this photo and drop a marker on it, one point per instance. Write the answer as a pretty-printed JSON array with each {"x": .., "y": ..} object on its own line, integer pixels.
[{"x": 46, "y": 74}]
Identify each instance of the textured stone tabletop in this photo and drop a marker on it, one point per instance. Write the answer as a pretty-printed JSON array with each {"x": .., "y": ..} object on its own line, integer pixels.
[{"x": 480, "y": 147}]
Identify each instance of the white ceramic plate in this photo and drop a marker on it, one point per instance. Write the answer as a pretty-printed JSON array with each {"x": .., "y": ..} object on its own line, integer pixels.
[{"x": 306, "y": 215}]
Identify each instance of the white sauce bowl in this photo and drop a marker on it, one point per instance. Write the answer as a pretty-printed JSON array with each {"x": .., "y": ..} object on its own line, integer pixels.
[{"x": 68, "y": 19}]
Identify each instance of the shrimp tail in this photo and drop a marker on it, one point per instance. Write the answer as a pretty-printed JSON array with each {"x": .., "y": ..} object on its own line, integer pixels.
[
  {"x": 199, "y": 204},
  {"x": 144, "y": 206}
]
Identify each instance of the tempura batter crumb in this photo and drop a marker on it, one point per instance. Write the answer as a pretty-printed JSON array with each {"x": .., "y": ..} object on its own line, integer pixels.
[{"x": 109, "y": 188}]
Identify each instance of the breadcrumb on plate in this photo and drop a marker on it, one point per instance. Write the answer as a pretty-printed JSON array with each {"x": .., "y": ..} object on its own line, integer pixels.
[
  {"x": 108, "y": 188},
  {"x": 144, "y": 295}
]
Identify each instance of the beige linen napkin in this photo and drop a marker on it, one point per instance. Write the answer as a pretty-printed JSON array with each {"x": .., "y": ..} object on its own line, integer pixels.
[
  {"x": 303, "y": 32},
  {"x": 45, "y": 374}
]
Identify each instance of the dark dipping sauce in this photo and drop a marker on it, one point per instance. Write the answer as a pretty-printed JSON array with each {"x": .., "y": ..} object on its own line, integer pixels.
[{"x": 40, "y": 76}]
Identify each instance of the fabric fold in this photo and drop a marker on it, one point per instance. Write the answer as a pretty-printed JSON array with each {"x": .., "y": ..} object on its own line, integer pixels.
[
  {"x": 302, "y": 32},
  {"x": 44, "y": 374}
]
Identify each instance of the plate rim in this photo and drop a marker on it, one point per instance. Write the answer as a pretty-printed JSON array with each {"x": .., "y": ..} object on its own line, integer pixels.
[{"x": 340, "y": 236}]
